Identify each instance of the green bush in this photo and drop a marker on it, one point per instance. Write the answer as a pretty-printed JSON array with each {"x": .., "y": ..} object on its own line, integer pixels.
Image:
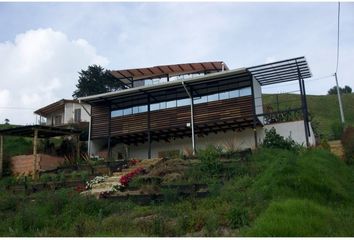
[
  {"x": 336, "y": 130},
  {"x": 238, "y": 217},
  {"x": 274, "y": 140},
  {"x": 210, "y": 160},
  {"x": 348, "y": 144}
]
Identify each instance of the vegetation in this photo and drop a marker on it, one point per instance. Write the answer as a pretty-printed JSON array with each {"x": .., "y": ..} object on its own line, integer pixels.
[
  {"x": 333, "y": 90},
  {"x": 95, "y": 80},
  {"x": 348, "y": 144},
  {"x": 273, "y": 193}
]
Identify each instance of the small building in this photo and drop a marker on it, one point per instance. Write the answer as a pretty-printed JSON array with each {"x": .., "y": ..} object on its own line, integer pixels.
[
  {"x": 64, "y": 112},
  {"x": 184, "y": 107}
]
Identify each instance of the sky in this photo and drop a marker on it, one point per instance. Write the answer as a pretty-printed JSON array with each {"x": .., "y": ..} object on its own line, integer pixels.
[{"x": 43, "y": 46}]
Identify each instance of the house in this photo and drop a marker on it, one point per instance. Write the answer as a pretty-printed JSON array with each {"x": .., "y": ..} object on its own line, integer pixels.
[
  {"x": 64, "y": 112},
  {"x": 188, "y": 106}
]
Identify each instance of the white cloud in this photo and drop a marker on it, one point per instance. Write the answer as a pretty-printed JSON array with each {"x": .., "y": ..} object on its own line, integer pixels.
[{"x": 39, "y": 67}]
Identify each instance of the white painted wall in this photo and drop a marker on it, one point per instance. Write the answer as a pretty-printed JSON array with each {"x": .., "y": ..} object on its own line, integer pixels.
[
  {"x": 240, "y": 140},
  {"x": 70, "y": 112}
]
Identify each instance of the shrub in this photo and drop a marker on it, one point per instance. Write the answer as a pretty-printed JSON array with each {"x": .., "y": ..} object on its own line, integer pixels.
[
  {"x": 274, "y": 140},
  {"x": 238, "y": 217},
  {"x": 336, "y": 130},
  {"x": 348, "y": 144},
  {"x": 210, "y": 162}
]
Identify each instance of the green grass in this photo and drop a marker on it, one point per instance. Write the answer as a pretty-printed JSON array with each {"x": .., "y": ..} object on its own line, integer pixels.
[
  {"x": 275, "y": 193},
  {"x": 324, "y": 109}
]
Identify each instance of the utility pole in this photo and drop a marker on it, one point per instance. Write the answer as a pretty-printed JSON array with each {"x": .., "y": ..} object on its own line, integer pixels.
[{"x": 339, "y": 100}]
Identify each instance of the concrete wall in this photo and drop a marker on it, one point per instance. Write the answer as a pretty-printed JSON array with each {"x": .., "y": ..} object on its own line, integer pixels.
[{"x": 237, "y": 140}]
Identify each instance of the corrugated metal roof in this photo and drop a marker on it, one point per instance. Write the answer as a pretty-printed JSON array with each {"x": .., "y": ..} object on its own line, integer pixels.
[
  {"x": 54, "y": 106},
  {"x": 134, "y": 74}
]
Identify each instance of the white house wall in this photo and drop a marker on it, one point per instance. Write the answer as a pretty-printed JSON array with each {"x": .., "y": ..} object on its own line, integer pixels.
[
  {"x": 240, "y": 140},
  {"x": 70, "y": 112}
]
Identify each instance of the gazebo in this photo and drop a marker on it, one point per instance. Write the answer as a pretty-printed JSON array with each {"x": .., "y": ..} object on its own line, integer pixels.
[{"x": 36, "y": 132}]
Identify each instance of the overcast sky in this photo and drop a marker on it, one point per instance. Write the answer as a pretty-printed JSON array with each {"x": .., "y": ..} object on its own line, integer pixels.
[{"x": 43, "y": 46}]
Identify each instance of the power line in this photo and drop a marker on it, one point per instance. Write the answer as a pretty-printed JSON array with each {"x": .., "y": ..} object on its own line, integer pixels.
[
  {"x": 16, "y": 108},
  {"x": 338, "y": 37}
]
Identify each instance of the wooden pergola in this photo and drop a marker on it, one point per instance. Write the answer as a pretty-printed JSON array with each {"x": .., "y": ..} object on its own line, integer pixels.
[{"x": 36, "y": 132}]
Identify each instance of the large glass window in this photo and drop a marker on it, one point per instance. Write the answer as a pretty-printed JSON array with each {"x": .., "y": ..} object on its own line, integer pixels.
[
  {"x": 162, "y": 105},
  {"x": 155, "y": 106},
  {"x": 202, "y": 99},
  {"x": 136, "y": 109},
  {"x": 143, "y": 108},
  {"x": 213, "y": 97},
  {"x": 117, "y": 113},
  {"x": 171, "y": 104},
  {"x": 183, "y": 102},
  {"x": 127, "y": 111},
  {"x": 224, "y": 95},
  {"x": 234, "y": 93},
  {"x": 245, "y": 92}
]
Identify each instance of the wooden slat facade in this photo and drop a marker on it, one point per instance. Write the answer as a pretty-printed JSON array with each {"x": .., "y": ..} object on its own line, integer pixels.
[{"x": 170, "y": 119}]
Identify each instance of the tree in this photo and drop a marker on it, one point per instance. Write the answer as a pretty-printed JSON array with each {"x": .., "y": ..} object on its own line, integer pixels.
[
  {"x": 7, "y": 121},
  {"x": 95, "y": 80},
  {"x": 333, "y": 90}
]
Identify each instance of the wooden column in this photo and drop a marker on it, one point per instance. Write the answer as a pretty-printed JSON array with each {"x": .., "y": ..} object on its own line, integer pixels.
[
  {"x": 148, "y": 126},
  {"x": 77, "y": 147},
  {"x": 35, "y": 145},
  {"x": 1, "y": 154}
]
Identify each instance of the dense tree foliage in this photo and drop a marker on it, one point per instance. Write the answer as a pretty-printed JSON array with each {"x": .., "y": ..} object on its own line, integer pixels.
[
  {"x": 333, "y": 90},
  {"x": 95, "y": 80}
]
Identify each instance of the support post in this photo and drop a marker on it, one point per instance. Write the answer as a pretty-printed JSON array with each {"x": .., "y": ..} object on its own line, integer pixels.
[
  {"x": 77, "y": 147},
  {"x": 303, "y": 110},
  {"x": 1, "y": 154},
  {"x": 254, "y": 115},
  {"x": 190, "y": 94},
  {"x": 306, "y": 109},
  {"x": 109, "y": 133},
  {"x": 340, "y": 101},
  {"x": 35, "y": 145},
  {"x": 148, "y": 128},
  {"x": 192, "y": 123}
]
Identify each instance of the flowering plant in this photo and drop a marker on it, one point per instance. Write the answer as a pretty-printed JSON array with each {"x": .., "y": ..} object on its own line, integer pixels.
[
  {"x": 94, "y": 181},
  {"x": 125, "y": 179}
]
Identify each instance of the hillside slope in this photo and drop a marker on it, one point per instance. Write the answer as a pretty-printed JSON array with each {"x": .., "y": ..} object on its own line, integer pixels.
[{"x": 324, "y": 109}]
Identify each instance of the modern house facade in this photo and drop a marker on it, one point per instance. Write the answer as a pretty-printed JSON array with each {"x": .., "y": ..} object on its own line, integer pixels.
[
  {"x": 64, "y": 112},
  {"x": 184, "y": 107}
]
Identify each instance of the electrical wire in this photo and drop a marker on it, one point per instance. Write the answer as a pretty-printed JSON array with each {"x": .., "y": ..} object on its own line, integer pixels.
[{"x": 338, "y": 38}]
